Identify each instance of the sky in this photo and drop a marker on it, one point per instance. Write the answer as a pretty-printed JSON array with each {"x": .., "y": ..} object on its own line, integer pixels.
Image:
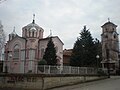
[{"x": 65, "y": 18}]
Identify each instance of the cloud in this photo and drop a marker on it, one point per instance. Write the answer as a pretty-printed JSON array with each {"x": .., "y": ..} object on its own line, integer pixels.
[{"x": 65, "y": 18}]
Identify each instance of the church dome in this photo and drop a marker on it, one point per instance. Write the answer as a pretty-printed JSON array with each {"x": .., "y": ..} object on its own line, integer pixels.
[
  {"x": 32, "y": 30},
  {"x": 12, "y": 35},
  {"x": 32, "y": 25},
  {"x": 13, "y": 32}
]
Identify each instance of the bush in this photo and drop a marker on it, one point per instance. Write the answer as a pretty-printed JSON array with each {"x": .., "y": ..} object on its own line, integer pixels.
[{"x": 41, "y": 64}]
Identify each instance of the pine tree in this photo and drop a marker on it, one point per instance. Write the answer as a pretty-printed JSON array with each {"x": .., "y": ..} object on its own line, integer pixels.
[
  {"x": 83, "y": 51},
  {"x": 50, "y": 53}
]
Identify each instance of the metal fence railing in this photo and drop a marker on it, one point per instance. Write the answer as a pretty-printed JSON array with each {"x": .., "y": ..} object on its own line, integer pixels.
[{"x": 47, "y": 69}]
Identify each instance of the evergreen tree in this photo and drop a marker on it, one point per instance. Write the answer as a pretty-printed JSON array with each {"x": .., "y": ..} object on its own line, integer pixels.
[
  {"x": 50, "y": 53},
  {"x": 83, "y": 53}
]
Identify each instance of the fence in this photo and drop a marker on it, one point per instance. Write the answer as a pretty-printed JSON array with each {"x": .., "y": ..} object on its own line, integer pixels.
[{"x": 47, "y": 69}]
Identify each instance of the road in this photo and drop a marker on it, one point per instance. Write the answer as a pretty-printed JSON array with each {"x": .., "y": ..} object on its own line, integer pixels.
[{"x": 108, "y": 84}]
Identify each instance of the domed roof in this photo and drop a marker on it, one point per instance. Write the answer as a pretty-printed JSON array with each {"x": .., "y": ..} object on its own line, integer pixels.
[{"x": 32, "y": 26}]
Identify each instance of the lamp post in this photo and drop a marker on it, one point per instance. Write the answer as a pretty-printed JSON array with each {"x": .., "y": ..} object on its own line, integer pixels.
[
  {"x": 82, "y": 61},
  {"x": 97, "y": 58}
]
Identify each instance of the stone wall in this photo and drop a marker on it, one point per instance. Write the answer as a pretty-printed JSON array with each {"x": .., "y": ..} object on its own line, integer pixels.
[{"x": 42, "y": 82}]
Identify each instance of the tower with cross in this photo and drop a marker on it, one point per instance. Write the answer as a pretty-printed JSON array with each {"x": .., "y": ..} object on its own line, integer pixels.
[{"x": 110, "y": 46}]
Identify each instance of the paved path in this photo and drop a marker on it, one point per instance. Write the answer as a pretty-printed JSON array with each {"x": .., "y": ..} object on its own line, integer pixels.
[{"x": 108, "y": 84}]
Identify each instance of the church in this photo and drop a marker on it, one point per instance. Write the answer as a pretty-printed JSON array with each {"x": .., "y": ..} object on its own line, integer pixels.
[{"x": 22, "y": 53}]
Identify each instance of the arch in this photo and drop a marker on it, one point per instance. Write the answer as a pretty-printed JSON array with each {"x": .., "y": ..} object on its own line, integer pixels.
[
  {"x": 16, "y": 51},
  {"x": 114, "y": 35},
  {"x": 42, "y": 52},
  {"x": 56, "y": 48}
]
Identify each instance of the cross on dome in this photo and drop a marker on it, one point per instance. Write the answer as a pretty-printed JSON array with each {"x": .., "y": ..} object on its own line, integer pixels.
[
  {"x": 33, "y": 19},
  {"x": 13, "y": 31},
  {"x": 108, "y": 19}
]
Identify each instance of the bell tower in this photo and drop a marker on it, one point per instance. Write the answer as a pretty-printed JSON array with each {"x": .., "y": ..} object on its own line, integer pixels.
[{"x": 110, "y": 46}]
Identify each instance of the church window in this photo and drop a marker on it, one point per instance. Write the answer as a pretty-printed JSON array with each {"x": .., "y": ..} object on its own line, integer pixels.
[
  {"x": 36, "y": 34},
  {"x": 106, "y": 29},
  {"x": 106, "y": 36},
  {"x": 31, "y": 54},
  {"x": 16, "y": 51},
  {"x": 25, "y": 32},
  {"x": 113, "y": 29},
  {"x": 33, "y": 34},
  {"x": 114, "y": 36},
  {"x": 29, "y": 33},
  {"x": 56, "y": 48},
  {"x": 42, "y": 52}
]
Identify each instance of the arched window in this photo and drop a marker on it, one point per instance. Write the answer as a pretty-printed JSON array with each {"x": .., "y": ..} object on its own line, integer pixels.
[
  {"x": 114, "y": 35},
  {"x": 105, "y": 29},
  {"x": 16, "y": 51},
  {"x": 105, "y": 36},
  {"x": 29, "y": 33},
  {"x": 33, "y": 29},
  {"x": 42, "y": 52},
  {"x": 113, "y": 29},
  {"x": 32, "y": 33},
  {"x": 56, "y": 48}
]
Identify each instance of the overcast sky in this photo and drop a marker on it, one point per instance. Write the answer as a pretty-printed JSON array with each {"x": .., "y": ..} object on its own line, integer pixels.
[{"x": 65, "y": 18}]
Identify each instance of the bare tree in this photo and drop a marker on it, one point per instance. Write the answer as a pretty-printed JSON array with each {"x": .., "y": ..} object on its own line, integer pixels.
[{"x": 1, "y": 1}]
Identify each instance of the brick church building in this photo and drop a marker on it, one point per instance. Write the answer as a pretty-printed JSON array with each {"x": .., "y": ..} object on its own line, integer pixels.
[{"x": 22, "y": 53}]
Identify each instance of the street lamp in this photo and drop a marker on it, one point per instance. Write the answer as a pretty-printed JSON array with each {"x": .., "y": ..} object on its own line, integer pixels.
[
  {"x": 97, "y": 56},
  {"x": 82, "y": 61}
]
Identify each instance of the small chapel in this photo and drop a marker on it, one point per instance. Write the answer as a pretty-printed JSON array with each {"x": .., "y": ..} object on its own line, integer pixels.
[{"x": 22, "y": 53}]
